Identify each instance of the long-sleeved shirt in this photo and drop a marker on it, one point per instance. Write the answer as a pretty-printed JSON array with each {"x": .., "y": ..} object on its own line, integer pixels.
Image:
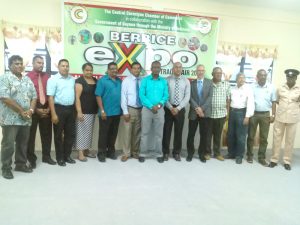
[
  {"x": 129, "y": 93},
  {"x": 242, "y": 97},
  {"x": 34, "y": 76},
  {"x": 184, "y": 91},
  {"x": 153, "y": 91}
]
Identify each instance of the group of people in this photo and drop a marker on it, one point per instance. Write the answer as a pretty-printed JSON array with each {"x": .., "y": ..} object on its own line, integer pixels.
[{"x": 150, "y": 107}]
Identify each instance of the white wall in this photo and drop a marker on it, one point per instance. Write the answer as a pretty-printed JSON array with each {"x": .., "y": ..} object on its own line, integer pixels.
[{"x": 239, "y": 24}]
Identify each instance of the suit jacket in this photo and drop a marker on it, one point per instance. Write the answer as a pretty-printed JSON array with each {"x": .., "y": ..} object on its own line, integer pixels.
[{"x": 206, "y": 100}]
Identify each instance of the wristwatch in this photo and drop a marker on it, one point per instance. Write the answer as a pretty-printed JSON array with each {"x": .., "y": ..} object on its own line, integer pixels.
[
  {"x": 159, "y": 105},
  {"x": 32, "y": 111},
  {"x": 102, "y": 111}
]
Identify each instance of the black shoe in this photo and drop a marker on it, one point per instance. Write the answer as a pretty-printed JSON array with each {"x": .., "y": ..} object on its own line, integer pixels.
[
  {"x": 166, "y": 157},
  {"x": 202, "y": 159},
  {"x": 141, "y": 159},
  {"x": 263, "y": 162},
  {"x": 272, "y": 164},
  {"x": 23, "y": 168},
  {"x": 250, "y": 159},
  {"x": 112, "y": 156},
  {"x": 228, "y": 156},
  {"x": 70, "y": 160},
  {"x": 7, "y": 174},
  {"x": 239, "y": 160},
  {"x": 177, "y": 157},
  {"x": 101, "y": 158},
  {"x": 49, "y": 161},
  {"x": 32, "y": 165},
  {"x": 287, "y": 166},
  {"x": 160, "y": 159},
  {"x": 189, "y": 158},
  {"x": 61, "y": 163}
]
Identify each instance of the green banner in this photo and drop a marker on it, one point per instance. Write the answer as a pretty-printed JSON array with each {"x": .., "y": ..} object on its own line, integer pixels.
[{"x": 101, "y": 34}]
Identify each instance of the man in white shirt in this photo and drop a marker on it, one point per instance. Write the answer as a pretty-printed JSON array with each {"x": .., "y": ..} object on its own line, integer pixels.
[
  {"x": 132, "y": 109},
  {"x": 241, "y": 109}
]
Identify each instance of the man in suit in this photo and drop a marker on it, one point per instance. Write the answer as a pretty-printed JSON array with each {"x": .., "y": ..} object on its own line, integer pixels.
[{"x": 200, "y": 111}]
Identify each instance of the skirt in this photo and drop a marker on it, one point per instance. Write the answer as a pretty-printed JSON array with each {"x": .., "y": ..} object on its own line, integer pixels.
[{"x": 84, "y": 132}]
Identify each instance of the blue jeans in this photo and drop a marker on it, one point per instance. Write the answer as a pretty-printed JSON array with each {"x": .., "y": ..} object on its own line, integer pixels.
[{"x": 237, "y": 133}]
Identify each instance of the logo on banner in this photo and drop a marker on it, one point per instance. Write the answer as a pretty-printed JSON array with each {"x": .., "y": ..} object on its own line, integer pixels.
[{"x": 79, "y": 14}]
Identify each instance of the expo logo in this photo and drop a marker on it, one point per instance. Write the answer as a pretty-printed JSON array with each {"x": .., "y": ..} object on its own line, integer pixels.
[
  {"x": 99, "y": 55},
  {"x": 79, "y": 14}
]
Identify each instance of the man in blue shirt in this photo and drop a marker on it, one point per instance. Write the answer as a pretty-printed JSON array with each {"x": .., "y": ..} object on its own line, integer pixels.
[
  {"x": 17, "y": 103},
  {"x": 265, "y": 100},
  {"x": 108, "y": 96},
  {"x": 153, "y": 94},
  {"x": 61, "y": 92}
]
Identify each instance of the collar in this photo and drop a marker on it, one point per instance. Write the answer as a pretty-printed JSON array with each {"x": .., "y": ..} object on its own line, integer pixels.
[
  {"x": 151, "y": 77},
  {"x": 62, "y": 77},
  {"x": 265, "y": 86}
]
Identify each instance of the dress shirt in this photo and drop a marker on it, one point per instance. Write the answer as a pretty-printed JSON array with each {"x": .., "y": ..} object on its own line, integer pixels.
[
  {"x": 110, "y": 92},
  {"x": 22, "y": 91},
  {"x": 153, "y": 91},
  {"x": 263, "y": 97},
  {"x": 34, "y": 76},
  {"x": 62, "y": 89},
  {"x": 184, "y": 91},
  {"x": 129, "y": 93},
  {"x": 221, "y": 93},
  {"x": 242, "y": 97}
]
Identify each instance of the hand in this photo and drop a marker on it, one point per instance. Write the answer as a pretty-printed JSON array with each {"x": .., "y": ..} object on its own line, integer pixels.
[
  {"x": 272, "y": 119},
  {"x": 199, "y": 112},
  {"x": 54, "y": 119},
  {"x": 174, "y": 111},
  {"x": 154, "y": 109},
  {"x": 103, "y": 116},
  {"x": 80, "y": 116},
  {"x": 246, "y": 121},
  {"x": 126, "y": 117},
  {"x": 25, "y": 115}
]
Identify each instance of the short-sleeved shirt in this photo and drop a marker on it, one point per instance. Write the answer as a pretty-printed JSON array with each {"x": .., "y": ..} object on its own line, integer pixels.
[
  {"x": 263, "y": 97},
  {"x": 221, "y": 93},
  {"x": 87, "y": 97},
  {"x": 22, "y": 91},
  {"x": 110, "y": 92},
  {"x": 62, "y": 89}
]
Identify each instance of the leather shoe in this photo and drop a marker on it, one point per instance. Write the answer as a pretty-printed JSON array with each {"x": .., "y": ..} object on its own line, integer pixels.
[
  {"x": 189, "y": 158},
  {"x": 166, "y": 157},
  {"x": 272, "y": 164},
  {"x": 287, "y": 166},
  {"x": 141, "y": 159},
  {"x": 61, "y": 163},
  {"x": 7, "y": 174},
  {"x": 49, "y": 161},
  {"x": 112, "y": 156},
  {"x": 239, "y": 160},
  {"x": 228, "y": 156},
  {"x": 207, "y": 156},
  {"x": 70, "y": 160},
  {"x": 32, "y": 165},
  {"x": 160, "y": 159},
  {"x": 124, "y": 158},
  {"x": 263, "y": 162},
  {"x": 202, "y": 159},
  {"x": 101, "y": 158},
  {"x": 23, "y": 168},
  {"x": 177, "y": 157},
  {"x": 250, "y": 159}
]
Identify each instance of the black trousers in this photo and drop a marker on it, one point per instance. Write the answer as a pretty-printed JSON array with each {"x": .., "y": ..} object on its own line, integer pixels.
[
  {"x": 64, "y": 131},
  {"x": 108, "y": 131},
  {"x": 215, "y": 132},
  {"x": 45, "y": 128},
  {"x": 203, "y": 123},
  {"x": 178, "y": 122}
]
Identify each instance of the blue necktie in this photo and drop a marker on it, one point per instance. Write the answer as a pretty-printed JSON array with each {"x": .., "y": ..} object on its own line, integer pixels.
[
  {"x": 137, "y": 87},
  {"x": 199, "y": 86}
]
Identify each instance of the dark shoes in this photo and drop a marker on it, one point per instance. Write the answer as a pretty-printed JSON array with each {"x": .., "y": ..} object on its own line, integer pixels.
[
  {"x": 228, "y": 156},
  {"x": 49, "y": 161},
  {"x": 70, "y": 160},
  {"x": 61, "y": 163},
  {"x": 101, "y": 158},
  {"x": 23, "y": 168},
  {"x": 189, "y": 158},
  {"x": 272, "y": 164},
  {"x": 141, "y": 159},
  {"x": 32, "y": 165},
  {"x": 7, "y": 174},
  {"x": 239, "y": 160},
  {"x": 177, "y": 157},
  {"x": 160, "y": 159},
  {"x": 250, "y": 159},
  {"x": 202, "y": 159},
  {"x": 166, "y": 157},
  {"x": 112, "y": 156},
  {"x": 287, "y": 166},
  {"x": 263, "y": 162}
]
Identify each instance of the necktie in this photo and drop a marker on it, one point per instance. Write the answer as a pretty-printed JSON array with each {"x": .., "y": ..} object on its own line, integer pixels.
[
  {"x": 199, "y": 86},
  {"x": 176, "y": 92},
  {"x": 41, "y": 91},
  {"x": 137, "y": 88}
]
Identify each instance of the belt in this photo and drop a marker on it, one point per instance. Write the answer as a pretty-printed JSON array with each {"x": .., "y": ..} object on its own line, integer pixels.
[
  {"x": 238, "y": 110},
  {"x": 64, "y": 106},
  {"x": 135, "y": 107},
  {"x": 261, "y": 112},
  {"x": 175, "y": 105}
]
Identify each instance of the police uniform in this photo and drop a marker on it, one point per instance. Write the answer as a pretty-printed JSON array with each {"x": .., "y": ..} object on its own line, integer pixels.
[{"x": 286, "y": 119}]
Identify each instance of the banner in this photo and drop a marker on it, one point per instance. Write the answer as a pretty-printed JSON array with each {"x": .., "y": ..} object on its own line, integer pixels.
[{"x": 101, "y": 34}]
